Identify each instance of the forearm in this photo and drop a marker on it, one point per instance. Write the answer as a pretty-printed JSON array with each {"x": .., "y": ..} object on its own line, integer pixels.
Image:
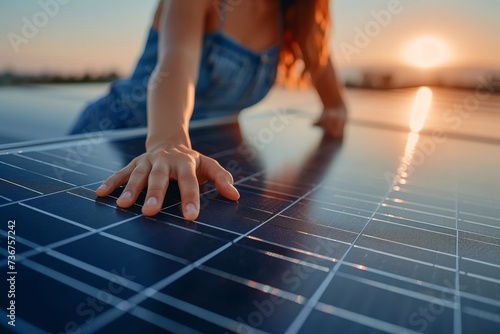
[
  {"x": 330, "y": 89},
  {"x": 170, "y": 102}
]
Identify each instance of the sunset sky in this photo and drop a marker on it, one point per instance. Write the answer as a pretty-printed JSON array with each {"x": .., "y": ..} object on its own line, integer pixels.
[{"x": 99, "y": 36}]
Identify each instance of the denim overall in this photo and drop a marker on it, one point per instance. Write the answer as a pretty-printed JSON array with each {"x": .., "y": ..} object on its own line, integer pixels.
[{"x": 232, "y": 77}]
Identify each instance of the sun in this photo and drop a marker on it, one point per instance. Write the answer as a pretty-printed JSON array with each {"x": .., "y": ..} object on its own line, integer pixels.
[{"x": 426, "y": 52}]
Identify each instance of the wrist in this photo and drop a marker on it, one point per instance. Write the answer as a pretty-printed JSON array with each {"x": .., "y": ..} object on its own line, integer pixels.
[
  {"x": 334, "y": 108},
  {"x": 154, "y": 141}
]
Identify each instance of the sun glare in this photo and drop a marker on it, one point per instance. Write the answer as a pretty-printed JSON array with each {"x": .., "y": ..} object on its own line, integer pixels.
[
  {"x": 420, "y": 109},
  {"x": 425, "y": 52}
]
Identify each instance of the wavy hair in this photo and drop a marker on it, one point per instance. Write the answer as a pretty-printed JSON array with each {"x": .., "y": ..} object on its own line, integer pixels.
[{"x": 307, "y": 25}]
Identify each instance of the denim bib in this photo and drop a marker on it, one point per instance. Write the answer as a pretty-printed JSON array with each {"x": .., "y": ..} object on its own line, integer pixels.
[{"x": 231, "y": 77}]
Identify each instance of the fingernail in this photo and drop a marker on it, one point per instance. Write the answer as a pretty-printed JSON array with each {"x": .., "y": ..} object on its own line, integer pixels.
[
  {"x": 102, "y": 187},
  {"x": 190, "y": 209},
  {"x": 126, "y": 195},
  {"x": 151, "y": 201}
]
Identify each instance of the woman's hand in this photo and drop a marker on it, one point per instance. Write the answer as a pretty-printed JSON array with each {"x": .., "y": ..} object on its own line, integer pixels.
[
  {"x": 333, "y": 120},
  {"x": 160, "y": 164}
]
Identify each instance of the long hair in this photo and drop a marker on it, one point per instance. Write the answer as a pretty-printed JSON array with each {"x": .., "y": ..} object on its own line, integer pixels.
[{"x": 306, "y": 37}]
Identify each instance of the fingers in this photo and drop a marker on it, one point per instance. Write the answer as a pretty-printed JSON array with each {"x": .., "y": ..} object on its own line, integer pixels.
[
  {"x": 222, "y": 178},
  {"x": 137, "y": 182},
  {"x": 189, "y": 188},
  {"x": 116, "y": 180},
  {"x": 333, "y": 123},
  {"x": 155, "y": 169},
  {"x": 157, "y": 187},
  {"x": 335, "y": 128}
]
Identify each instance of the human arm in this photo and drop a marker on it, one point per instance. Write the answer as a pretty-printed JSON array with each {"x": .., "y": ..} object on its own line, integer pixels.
[
  {"x": 330, "y": 91},
  {"x": 169, "y": 154}
]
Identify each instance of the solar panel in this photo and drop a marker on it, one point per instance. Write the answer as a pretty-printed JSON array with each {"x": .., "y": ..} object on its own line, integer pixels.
[{"x": 374, "y": 234}]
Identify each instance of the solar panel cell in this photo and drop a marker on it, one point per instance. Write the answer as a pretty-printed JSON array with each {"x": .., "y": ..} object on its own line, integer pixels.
[{"x": 330, "y": 244}]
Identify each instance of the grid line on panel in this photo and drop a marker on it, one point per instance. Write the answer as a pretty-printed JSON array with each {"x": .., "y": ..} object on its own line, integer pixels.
[
  {"x": 408, "y": 245},
  {"x": 137, "y": 287},
  {"x": 23, "y": 156},
  {"x": 201, "y": 223},
  {"x": 482, "y": 262},
  {"x": 76, "y": 284},
  {"x": 255, "y": 285},
  {"x": 39, "y": 174},
  {"x": 481, "y": 241},
  {"x": 342, "y": 206},
  {"x": 94, "y": 270},
  {"x": 44, "y": 195},
  {"x": 50, "y": 214},
  {"x": 413, "y": 254},
  {"x": 145, "y": 248},
  {"x": 200, "y": 312},
  {"x": 91, "y": 200},
  {"x": 119, "y": 304},
  {"x": 39, "y": 249},
  {"x": 489, "y": 279},
  {"x": 415, "y": 210},
  {"x": 21, "y": 186},
  {"x": 162, "y": 322},
  {"x": 384, "y": 215},
  {"x": 89, "y": 268},
  {"x": 420, "y": 205},
  {"x": 457, "y": 313},
  {"x": 486, "y": 205},
  {"x": 480, "y": 224},
  {"x": 395, "y": 289},
  {"x": 135, "y": 217},
  {"x": 402, "y": 278},
  {"x": 6, "y": 198},
  {"x": 482, "y": 314},
  {"x": 195, "y": 231},
  {"x": 399, "y": 257},
  {"x": 293, "y": 260},
  {"x": 362, "y": 319},
  {"x": 343, "y": 212},
  {"x": 323, "y": 257},
  {"x": 109, "y": 316},
  {"x": 301, "y": 318},
  {"x": 326, "y": 238},
  {"x": 283, "y": 184},
  {"x": 480, "y": 299},
  {"x": 351, "y": 198},
  {"x": 80, "y": 162},
  {"x": 13, "y": 166},
  {"x": 71, "y": 282},
  {"x": 270, "y": 190},
  {"x": 377, "y": 198},
  {"x": 480, "y": 216}
]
